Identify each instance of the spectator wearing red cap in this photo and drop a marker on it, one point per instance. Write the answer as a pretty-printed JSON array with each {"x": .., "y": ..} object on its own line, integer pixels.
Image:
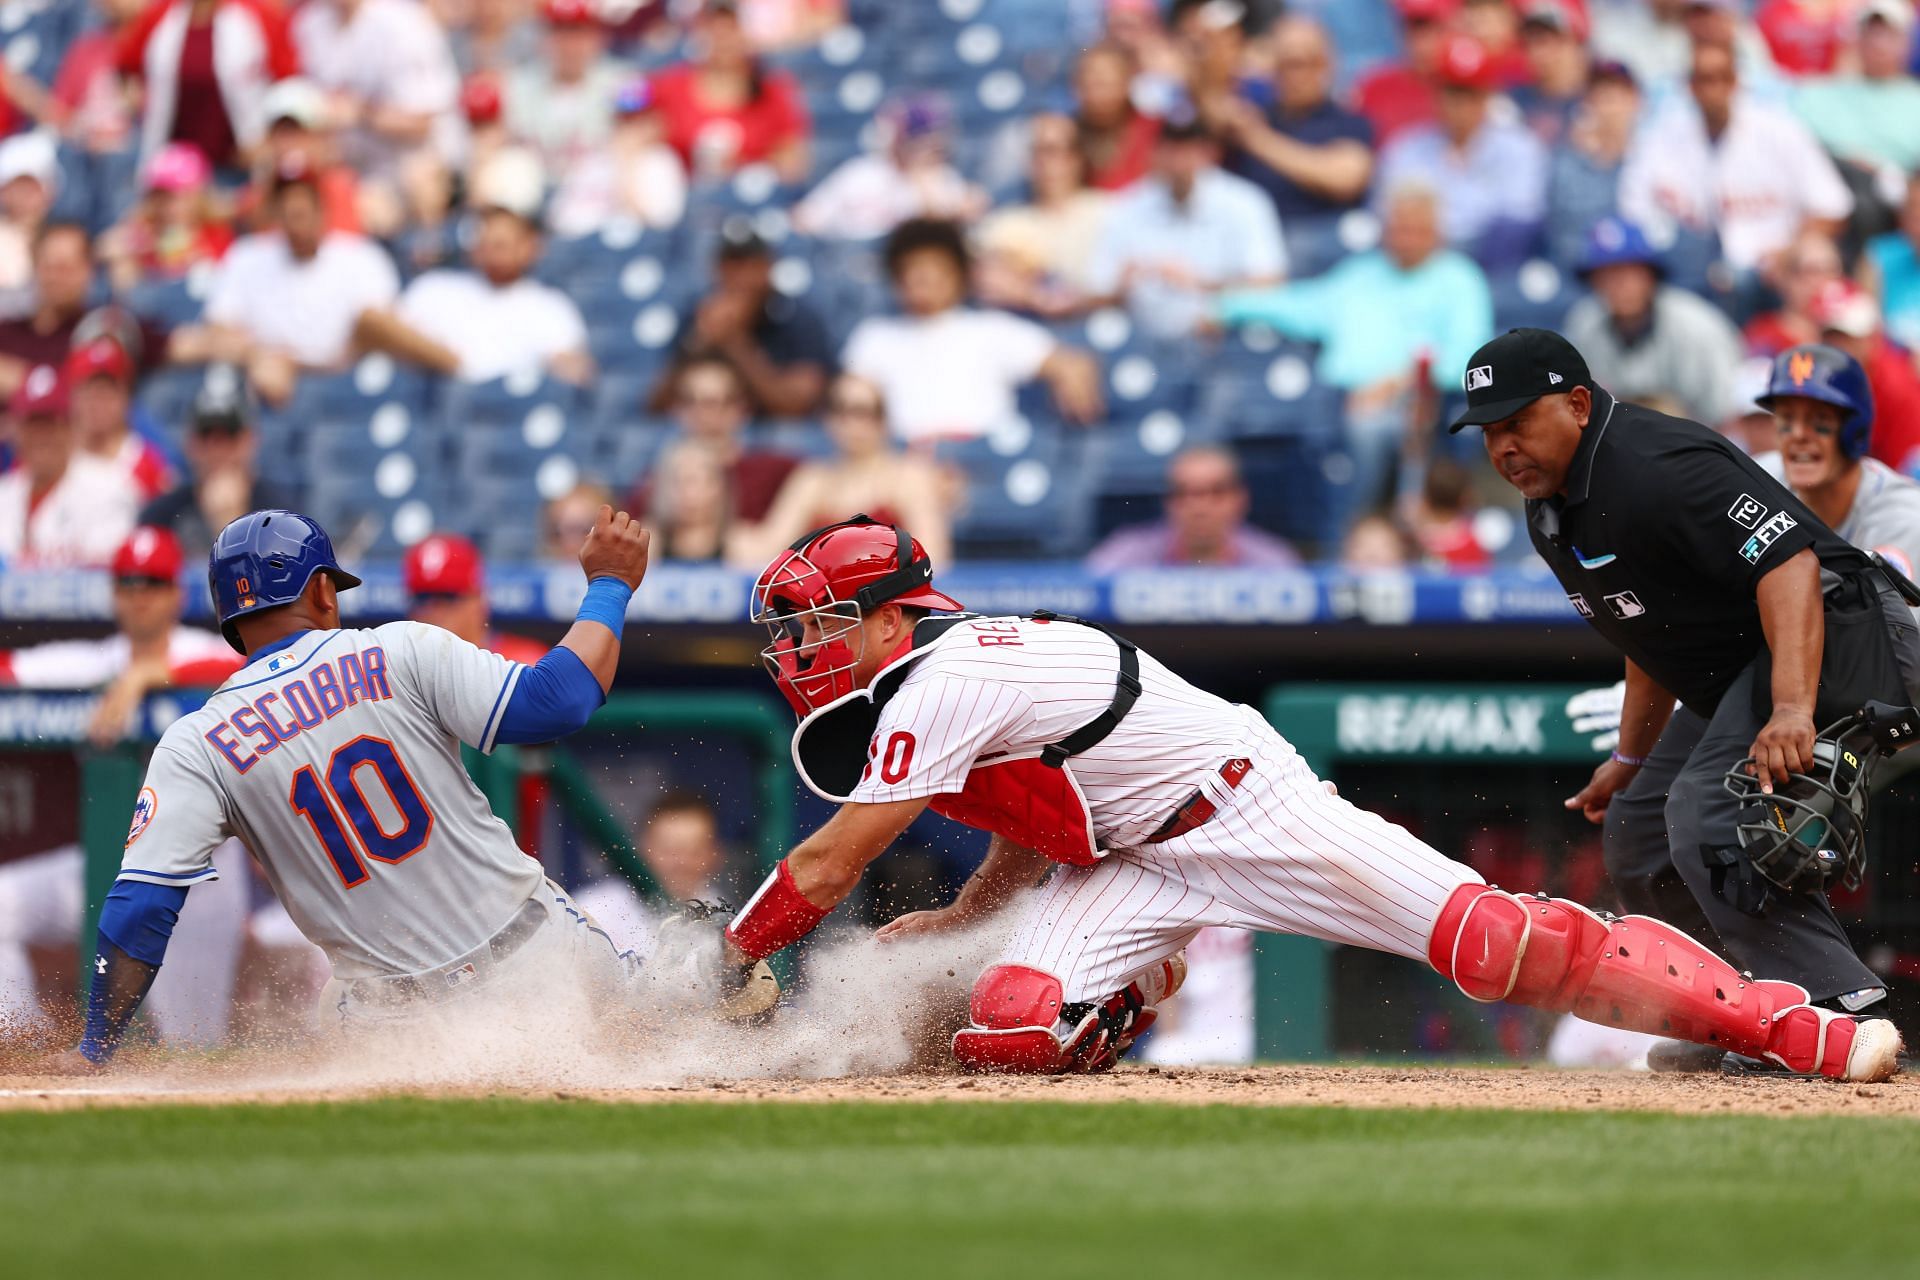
[
  {"x": 1553, "y": 35},
  {"x": 99, "y": 379},
  {"x": 1490, "y": 173},
  {"x": 42, "y": 896},
  {"x": 1399, "y": 95},
  {"x": 223, "y": 482},
  {"x": 446, "y": 582},
  {"x": 59, "y": 507},
  {"x": 1806, "y": 36},
  {"x": 205, "y": 66},
  {"x": 1849, "y": 319},
  {"x": 173, "y": 229},
  {"x": 288, "y": 299},
  {"x": 726, "y": 108},
  {"x": 635, "y": 176},
  {"x": 562, "y": 103}
]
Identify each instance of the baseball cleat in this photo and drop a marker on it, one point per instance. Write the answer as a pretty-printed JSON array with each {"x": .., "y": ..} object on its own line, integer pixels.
[{"x": 1685, "y": 1058}]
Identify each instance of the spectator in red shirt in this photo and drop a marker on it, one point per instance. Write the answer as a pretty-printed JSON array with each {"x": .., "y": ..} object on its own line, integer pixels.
[
  {"x": 99, "y": 378},
  {"x": 88, "y": 104},
  {"x": 1402, "y": 94},
  {"x": 1809, "y": 265},
  {"x": 1849, "y": 319},
  {"x": 1805, "y": 36},
  {"x": 1116, "y": 138},
  {"x": 174, "y": 227},
  {"x": 728, "y": 109},
  {"x": 206, "y": 65}
]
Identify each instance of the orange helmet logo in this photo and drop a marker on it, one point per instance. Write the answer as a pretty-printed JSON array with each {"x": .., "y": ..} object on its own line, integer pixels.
[{"x": 1800, "y": 367}]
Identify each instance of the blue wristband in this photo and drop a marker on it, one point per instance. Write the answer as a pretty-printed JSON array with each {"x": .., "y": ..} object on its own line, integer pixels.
[{"x": 606, "y": 603}]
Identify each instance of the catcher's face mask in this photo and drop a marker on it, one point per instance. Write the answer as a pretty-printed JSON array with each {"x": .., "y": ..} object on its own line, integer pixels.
[
  {"x": 1812, "y": 831},
  {"x": 816, "y": 640}
]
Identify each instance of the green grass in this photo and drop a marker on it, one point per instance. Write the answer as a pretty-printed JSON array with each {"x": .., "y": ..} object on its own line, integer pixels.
[{"x": 916, "y": 1191}]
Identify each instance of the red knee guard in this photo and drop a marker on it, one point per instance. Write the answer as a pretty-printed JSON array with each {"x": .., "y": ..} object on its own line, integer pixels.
[
  {"x": 1633, "y": 972},
  {"x": 1021, "y": 1024}
]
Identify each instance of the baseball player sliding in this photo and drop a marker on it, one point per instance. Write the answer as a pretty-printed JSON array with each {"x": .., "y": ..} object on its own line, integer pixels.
[
  {"x": 334, "y": 755},
  {"x": 1168, "y": 810}
]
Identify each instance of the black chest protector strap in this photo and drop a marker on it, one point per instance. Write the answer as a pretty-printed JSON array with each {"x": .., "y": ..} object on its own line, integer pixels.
[{"x": 1126, "y": 692}]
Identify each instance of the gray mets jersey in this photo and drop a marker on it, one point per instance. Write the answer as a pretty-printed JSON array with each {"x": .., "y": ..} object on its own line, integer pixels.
[
  {"x": 335, "y": 757},
  {"x": 1885, "y": 516}
]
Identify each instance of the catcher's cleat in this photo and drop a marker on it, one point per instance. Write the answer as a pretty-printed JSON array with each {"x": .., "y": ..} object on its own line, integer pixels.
[
  {"x": 1684, "y": 1058},
  {"x": 1814, "y": 1041}
]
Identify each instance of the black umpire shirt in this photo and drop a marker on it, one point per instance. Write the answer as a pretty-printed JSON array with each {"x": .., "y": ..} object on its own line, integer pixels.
[{"x": 1661, "y": 538}]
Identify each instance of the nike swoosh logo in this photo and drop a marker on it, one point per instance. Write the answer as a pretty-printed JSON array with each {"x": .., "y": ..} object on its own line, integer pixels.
[{"x": 1597, "y": 562}]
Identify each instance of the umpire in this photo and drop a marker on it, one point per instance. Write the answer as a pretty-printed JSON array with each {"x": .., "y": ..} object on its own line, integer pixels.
[{"x": 1723, "y": 591}]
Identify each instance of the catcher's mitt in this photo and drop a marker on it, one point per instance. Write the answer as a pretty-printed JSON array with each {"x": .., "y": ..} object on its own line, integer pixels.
[{"x": 690, "y": 964}]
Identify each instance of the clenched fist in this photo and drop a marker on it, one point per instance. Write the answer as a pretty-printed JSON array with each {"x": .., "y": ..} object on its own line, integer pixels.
[{"x": 616, "y": 547}]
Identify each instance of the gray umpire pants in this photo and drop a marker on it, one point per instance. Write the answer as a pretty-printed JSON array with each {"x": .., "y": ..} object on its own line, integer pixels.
[{"x": 1672, "y": 848}]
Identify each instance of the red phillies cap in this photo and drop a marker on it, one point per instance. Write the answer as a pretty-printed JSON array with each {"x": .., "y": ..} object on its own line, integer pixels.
[
  {"x": 1464, "y": 64},
  {"x": 100, "y": 358},
  {"x": 480, "y": 99},
  {"x": 1427, "y": 10},
  {"x": 149, "y": 552},
  {"x": 41, "y": 394},
  {"x": 443, "y": 565},
  {"x": 569, "y": 13}
]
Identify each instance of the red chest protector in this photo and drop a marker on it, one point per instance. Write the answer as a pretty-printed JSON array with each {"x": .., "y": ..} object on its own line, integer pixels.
[{"x": 1032, "y": 800}]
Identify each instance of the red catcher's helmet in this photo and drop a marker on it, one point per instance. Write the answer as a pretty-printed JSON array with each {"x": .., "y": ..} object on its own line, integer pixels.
[{"x": 829, "y": 579}]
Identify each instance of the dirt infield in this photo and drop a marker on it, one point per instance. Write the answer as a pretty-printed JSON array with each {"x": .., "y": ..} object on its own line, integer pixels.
[{"x": 1300, "y": 1086}]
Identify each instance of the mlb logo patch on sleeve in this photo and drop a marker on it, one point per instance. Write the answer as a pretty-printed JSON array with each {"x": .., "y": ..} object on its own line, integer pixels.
[{"x": 1625, "y": 604}]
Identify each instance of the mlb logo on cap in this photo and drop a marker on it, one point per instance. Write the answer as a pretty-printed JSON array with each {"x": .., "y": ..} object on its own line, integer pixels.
[{"x": 1480, "y": 376}]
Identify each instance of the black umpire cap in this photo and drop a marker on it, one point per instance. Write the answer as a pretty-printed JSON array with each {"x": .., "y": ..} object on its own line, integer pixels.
[{"x": 1515, "y": 369}]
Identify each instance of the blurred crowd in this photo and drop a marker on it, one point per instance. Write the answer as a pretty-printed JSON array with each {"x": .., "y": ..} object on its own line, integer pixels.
[{"x": 1148, "y": 282}]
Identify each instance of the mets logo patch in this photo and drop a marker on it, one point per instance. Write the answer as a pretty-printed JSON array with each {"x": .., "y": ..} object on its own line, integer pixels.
[{"x": 143, "y": 811}]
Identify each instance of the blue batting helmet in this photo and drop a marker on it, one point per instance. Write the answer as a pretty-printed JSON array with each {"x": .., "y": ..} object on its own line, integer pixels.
[
  {"x": 266, "y": 559},
  {"x": 1831, "y": 376}
]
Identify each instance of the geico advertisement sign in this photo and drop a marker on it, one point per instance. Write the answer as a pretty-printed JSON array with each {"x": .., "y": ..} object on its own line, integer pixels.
[{"x": 1228, "y": 595}]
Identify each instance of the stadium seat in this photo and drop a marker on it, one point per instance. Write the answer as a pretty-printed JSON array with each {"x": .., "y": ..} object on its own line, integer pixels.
[
  {"x": 1534, "y": 293},
  {"x": 1026, "y": 494}
]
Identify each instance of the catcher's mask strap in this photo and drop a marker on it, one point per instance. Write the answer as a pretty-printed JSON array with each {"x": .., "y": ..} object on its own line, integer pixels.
[{"x": 909, "y": 576}]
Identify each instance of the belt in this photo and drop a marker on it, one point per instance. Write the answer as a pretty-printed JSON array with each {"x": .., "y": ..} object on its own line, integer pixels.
[
  {"x": 1198, "y": 809},
  {"x": 437, "y": 984}
]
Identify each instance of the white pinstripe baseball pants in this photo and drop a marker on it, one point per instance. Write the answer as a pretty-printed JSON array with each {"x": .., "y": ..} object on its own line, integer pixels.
[{"x": 1283, "y": 856}]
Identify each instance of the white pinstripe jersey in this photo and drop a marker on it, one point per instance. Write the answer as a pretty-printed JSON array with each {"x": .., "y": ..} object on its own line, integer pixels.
[
  {"x": 336, "y": 760},
  {"x": 1003, "y": 688}
]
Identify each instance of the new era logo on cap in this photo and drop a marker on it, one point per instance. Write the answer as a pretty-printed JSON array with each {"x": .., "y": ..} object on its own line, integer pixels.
[
  {"x": 1480, "y": 377},
  {"x": 1554, "y": 379}
]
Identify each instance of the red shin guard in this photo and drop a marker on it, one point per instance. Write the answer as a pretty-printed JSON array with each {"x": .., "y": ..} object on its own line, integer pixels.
[{"x": 1634, "y": 972}]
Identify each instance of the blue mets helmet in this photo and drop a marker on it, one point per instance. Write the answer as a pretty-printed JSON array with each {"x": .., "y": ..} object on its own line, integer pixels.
[
  {"x": 1831, "y": 376},
  {"x": 266, "y": 559}
]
